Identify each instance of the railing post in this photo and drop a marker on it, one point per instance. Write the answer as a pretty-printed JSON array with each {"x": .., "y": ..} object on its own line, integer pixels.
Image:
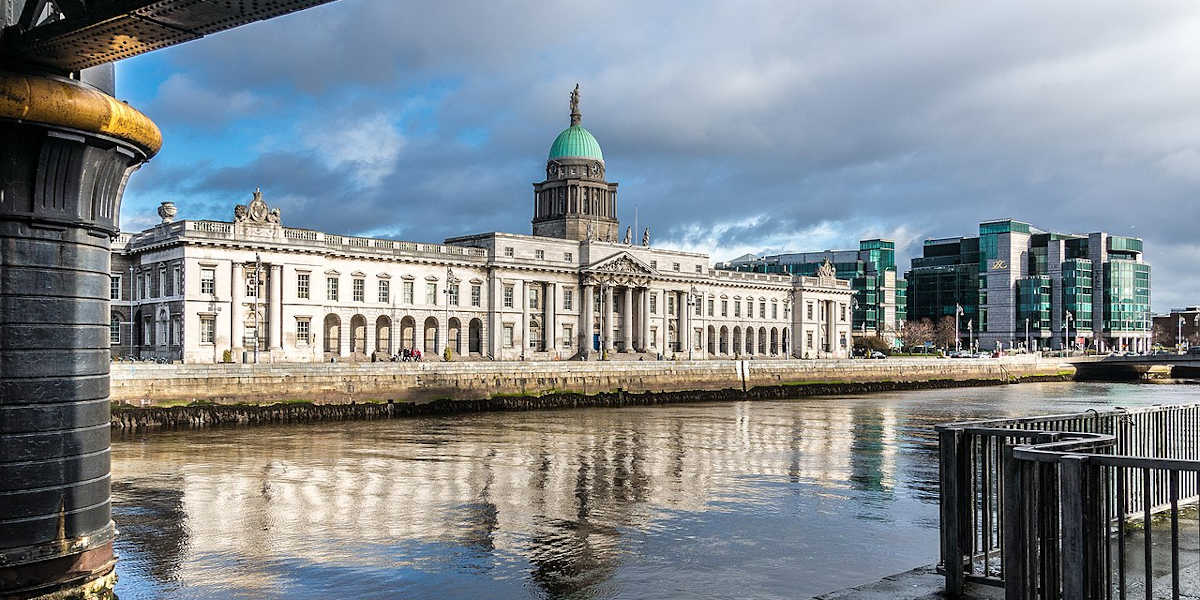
[
  {"x": 1074, "y": 553},
  {"x": 1016, "y": 545},
  {"x": 951, "y": 498}
]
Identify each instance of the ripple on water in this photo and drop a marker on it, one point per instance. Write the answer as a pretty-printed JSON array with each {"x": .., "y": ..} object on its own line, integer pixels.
[{"x": 770, "y": 499}]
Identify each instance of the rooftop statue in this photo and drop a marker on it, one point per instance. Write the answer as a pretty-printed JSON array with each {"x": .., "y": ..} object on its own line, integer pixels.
[{"x": 575, "y": 116}]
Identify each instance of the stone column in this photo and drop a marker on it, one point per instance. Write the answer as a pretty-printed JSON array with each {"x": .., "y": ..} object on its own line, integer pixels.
[
  {"x": 418, "y": 334},
  {"x": 237, "y": 315},
  {"x": 627, "y": 318},
  {"x": 645, "y": 320},
  {"x": 606, "y": 314},
  {"x": 346, "y": 335},
  {"x": 495, "y": 305},
  {"x": 586, "y": 308},
  {"x": 550, "y": 321},
  {"x": 684, "y": 315},
  {"x": 524, "y": 318},
  {"x": 276, "y": 313},
  {"x": 68, "y": 150}
]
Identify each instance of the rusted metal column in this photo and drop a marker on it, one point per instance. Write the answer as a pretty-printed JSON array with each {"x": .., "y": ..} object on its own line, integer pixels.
[{"x": 67, "y": 151}]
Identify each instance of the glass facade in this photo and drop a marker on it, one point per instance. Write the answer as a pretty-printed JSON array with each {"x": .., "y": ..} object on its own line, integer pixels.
[
  {"x": 945, "y": 276},
  {"x": 1077, "y": 292},
  {"x": 1034, "y": 302},
  {"x": 1127, "y": 290},
  {"x": 1056, "y": 273}
]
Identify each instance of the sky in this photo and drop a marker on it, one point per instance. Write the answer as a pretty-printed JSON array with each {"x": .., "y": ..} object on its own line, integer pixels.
[{"x": 732, "y": 127}]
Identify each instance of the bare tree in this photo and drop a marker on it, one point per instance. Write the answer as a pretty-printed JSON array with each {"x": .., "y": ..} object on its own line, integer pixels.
[
  {"x": 916, "y": 333},
  {"x": 944, "y": 333},
  {"x": 1163, "y": 336}
]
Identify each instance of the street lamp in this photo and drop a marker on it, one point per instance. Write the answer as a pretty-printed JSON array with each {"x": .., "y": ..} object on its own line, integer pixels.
[
  {"x": 971, "y": 334},
  {"x": 958, "y": 310},
  {"x": 1027, "y": 347},
  {"x": 1066, "y": 328},
  {"x": 257, "y": 296},
  {"x": 1179, "y": 334},
  {"x": 446, "y": 291},
  {"x": 692, "y": 301}
]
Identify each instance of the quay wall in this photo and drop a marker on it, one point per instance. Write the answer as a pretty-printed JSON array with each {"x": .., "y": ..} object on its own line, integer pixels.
[{"x": 155, "y": 385}]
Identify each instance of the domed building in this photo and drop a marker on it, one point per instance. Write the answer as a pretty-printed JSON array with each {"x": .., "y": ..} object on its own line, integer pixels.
[
  {"x": 575, "y": 201},
  {"x": 252, "y": 289}
]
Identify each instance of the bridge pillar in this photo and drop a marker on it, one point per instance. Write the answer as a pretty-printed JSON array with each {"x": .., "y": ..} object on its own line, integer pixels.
[{"x": 66, "y": 151}]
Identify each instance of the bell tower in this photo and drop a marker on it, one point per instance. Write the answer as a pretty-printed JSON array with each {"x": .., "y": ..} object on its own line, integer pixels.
[{"x": 575, "y": 201}]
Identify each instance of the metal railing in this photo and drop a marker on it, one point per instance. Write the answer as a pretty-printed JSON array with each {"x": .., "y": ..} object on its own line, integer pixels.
[{"x": 1045, "y": 506}]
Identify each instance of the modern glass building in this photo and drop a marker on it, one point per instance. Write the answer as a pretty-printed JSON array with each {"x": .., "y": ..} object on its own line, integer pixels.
[
  {"x": 1019, "y": 285},
  {"x": 880, "y": 303}
]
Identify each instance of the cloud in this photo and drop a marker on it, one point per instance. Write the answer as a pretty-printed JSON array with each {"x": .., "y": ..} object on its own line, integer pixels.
[
  {"x": 370, "y": 145},
  {"x": 181, "y": 99},
  {"x": 731, "y": 126}
]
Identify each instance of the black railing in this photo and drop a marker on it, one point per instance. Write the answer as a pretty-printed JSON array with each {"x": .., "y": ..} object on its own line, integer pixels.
[{"x": 1044, "y": 506}]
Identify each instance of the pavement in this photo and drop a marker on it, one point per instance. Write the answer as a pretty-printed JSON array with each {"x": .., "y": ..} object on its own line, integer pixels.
[
  {"x": 924, "y": 583},
  {"x": 921, "y": 583}
]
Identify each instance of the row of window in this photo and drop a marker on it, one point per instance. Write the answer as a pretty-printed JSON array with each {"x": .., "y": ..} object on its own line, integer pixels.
[
  {"x": 153, "y": 284},
  {"x": 539, "y": 254}
]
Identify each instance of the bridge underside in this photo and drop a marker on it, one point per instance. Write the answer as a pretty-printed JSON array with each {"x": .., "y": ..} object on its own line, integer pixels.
[
  {"x": 72, "y": 35},
  {"x": 1109, "y": 371},
  {"x": 1099, "y": 371}
]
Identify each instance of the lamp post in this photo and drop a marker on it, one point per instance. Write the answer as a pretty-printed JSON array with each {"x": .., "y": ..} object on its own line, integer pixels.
[
  {"x": 133, "y": 342},
  {"x": 971, "y": 335},
  {"x": 958, "y": 310},
  {"x": 1179, "y": 335},
  {"x": 446, "y": 342},
  {"x": 692, "y": 301},
  {"x": 257, "y": 296},
  {"x": 1027, "y": 347},
  {"x": 1066, "y": 328}
]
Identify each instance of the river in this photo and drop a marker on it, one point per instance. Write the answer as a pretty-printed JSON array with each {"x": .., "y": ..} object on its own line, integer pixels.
[{"x": 765, "y": 499}]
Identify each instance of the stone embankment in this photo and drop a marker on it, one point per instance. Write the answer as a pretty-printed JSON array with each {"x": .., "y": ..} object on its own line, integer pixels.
[{"x": 147, "y": 395}]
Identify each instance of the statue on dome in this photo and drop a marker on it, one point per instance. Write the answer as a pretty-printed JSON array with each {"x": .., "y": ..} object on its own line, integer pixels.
[{"x": 575, "y": 116}]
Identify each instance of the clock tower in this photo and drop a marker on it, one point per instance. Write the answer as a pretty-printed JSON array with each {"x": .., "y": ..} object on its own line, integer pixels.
[{"x": 575, "y": 201}]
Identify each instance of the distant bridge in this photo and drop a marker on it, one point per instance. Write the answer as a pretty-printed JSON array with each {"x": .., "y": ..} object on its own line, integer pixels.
[{"x": 1134, "y": 367}]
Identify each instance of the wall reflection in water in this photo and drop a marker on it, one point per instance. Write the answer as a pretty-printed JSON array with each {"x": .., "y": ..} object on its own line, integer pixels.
[{"x": 789, "y": 498}]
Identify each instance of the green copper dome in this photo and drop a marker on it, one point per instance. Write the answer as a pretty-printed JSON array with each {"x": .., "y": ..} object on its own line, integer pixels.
[{"x": 576, "y": 142}]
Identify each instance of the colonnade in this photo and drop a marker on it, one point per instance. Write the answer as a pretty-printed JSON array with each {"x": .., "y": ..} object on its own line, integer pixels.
[{"x": 272, "y": 275}]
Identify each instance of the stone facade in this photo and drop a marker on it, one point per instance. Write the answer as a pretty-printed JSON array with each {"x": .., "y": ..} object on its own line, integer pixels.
[
  {"x": 187, "y": 290},
  {"x": 166, "y": 385},
  {"x": 254, "y": 290}
]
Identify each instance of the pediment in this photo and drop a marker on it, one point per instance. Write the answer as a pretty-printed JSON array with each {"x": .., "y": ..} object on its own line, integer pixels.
[{"x": 622, "y": 262}]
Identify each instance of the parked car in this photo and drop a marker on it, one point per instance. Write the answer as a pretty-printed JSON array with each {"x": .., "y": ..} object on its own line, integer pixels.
[{"x": 878, "y": 355}]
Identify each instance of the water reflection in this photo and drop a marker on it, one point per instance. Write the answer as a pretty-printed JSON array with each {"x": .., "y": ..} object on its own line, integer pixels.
[{"x": 766, "y": 499}]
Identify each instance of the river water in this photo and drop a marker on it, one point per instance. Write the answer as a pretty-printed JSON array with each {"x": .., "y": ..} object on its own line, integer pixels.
[{"x": 765, "y": 499}]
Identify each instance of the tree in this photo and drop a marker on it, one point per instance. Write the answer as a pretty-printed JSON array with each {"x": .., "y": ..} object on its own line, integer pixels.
[
  {"x": 945, "y": 333},
  {"x": 916, "y": 333},
  {"x": 872, "y": 343},
  {"x": 1162, "y": 336}
]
